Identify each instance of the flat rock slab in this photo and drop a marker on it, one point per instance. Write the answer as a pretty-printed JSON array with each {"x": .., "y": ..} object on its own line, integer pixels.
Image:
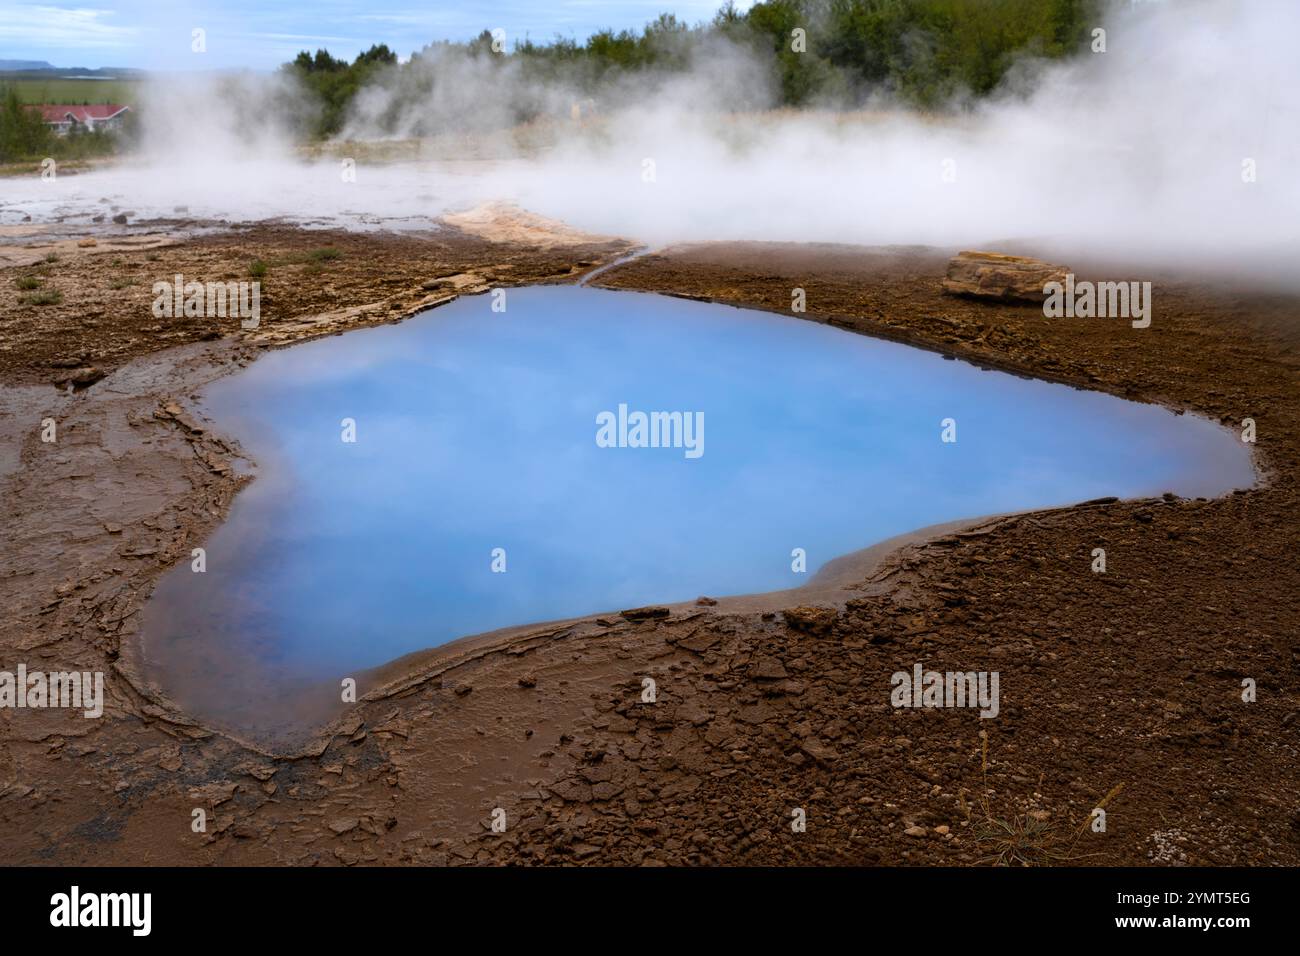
[
  {"x": 991, "y": 275},
  {"x": 651, "y": 613}
]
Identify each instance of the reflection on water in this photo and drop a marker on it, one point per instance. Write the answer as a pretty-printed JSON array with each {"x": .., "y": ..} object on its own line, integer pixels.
[{"x": 476, "y": 430}]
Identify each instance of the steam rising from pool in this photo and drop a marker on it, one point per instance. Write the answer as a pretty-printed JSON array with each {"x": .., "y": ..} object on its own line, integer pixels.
[{"x": 1136, "y": 152}]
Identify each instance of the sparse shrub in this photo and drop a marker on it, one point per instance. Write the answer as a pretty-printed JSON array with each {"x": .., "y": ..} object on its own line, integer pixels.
[
  {"x": 1022, "y": 839},
  {"x": 44, "y": 297},
  {"x": 27, "y": 283},
  {"x": 257, "y": 269}
]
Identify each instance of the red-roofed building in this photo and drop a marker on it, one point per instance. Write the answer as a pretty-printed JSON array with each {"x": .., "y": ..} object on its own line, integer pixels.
[{"x": 64, "y": 119}]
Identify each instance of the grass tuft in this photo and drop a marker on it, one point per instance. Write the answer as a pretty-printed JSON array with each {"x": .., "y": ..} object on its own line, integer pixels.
[
  {"x": 1020, "y": 839},
  {"x": 45, "y": 297}
]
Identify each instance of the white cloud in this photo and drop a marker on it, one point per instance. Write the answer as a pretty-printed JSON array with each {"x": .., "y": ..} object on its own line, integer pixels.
[{"x": 86, "y": 28}]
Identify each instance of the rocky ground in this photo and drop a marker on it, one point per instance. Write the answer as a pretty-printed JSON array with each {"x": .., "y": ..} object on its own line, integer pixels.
[
  {"x": 1121, "y": 689},
  {"x": 68, "y": 305}
]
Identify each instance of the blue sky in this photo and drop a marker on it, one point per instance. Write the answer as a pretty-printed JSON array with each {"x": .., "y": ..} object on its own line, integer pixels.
[{"x": 155, "y": 34}]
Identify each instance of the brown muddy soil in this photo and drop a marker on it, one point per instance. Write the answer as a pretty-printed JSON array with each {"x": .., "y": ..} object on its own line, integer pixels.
[{"x": 1122, "y": 688}]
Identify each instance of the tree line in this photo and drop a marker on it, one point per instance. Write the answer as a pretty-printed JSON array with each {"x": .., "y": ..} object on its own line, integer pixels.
[{"x": 927, "y": 54}]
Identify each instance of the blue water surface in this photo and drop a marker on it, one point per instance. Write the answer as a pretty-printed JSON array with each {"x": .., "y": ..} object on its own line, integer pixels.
[{"x": 476, "y": 430}]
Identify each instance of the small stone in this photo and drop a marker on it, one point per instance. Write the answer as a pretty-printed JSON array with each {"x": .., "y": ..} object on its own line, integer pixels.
[
  {"x": 810, "y": 619},
  {"x": 768, "y": 668},
  {"x": 572, "y": 791},
  {"x": 171, "y": 761},
  {"x": 80, "y": 377},
  {"x": 817, "y": 750}
]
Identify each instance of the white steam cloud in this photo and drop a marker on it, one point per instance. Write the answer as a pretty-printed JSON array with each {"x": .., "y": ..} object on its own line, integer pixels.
[{"x": 1137, "y": 152}]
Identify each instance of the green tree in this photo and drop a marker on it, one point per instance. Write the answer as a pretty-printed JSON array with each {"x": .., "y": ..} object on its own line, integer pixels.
[{"x": 23, "y": 133}]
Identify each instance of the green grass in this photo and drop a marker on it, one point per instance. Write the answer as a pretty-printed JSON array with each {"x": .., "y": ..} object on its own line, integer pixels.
[
  {"x": 27, "y": 283},
  {"x": 257, "y": 268},
  {"x": 47, "y": 297},
  {"x": 64, "y": 91},
  {"x": 324, "y": 254}
]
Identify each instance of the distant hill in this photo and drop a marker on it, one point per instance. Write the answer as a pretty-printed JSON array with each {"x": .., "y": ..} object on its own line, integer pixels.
[{"x": 40, "y": 70}]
